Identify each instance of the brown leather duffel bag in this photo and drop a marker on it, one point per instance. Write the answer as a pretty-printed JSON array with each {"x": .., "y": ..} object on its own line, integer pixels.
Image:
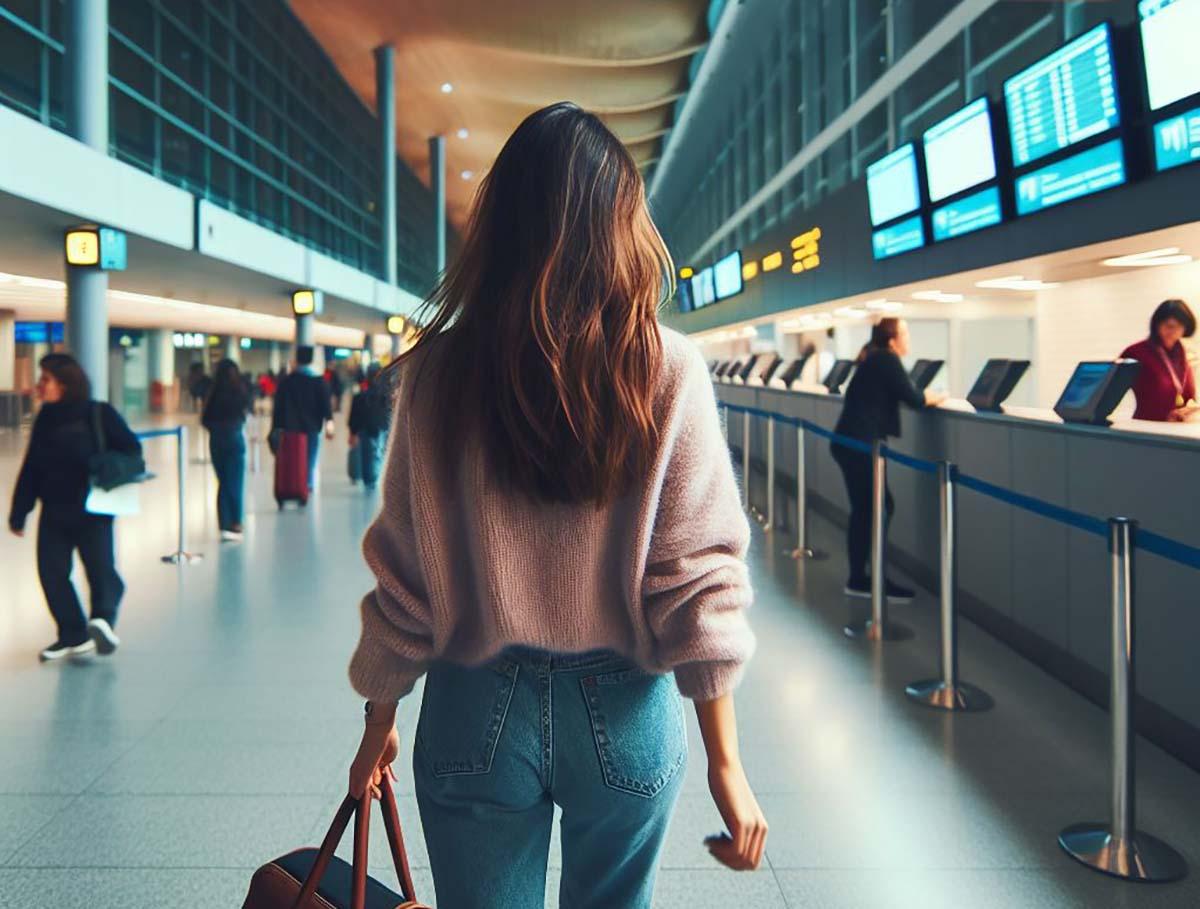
[{"x": 318, "y": 879}]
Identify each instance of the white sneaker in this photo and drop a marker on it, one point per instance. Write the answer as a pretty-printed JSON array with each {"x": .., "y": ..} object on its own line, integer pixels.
[
  {"x": 58, "y": 650},
  {"x": 103, "y": 636},
  {"x": 231, "y": 536}
]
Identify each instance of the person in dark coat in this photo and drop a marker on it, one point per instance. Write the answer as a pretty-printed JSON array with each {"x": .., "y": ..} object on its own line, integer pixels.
[
  {"x": 302, "y": 404},
  {"x": 55, "y": 471},
  {"x": 224, "y": 417},
  {"x": 871, "y": 413},
  {"x": 370, "y": 416}
]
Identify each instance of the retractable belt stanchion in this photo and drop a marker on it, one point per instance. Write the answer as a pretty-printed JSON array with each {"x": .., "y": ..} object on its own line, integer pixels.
[
  {"x": 255, "y": 443},
  {"x": 878, "y": 628},
  {"x": 1118, "y": 847},
  {"x": 181, "y": 556},
  {"x": 746, "y": 460},
  {"x": 802, "y": 550},
  {"x": 948, "y": 692},
  {"x": 768, "y": 519}
]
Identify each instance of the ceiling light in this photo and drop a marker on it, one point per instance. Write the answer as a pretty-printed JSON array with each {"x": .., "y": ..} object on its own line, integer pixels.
[
  {"x": 464, "y": 133},
  {"x": 47, "y": 283},
  {"x": 1015, "y": 282},
  {"x": 468, "y": 174},
  {"x": 1168, "y": 256},
  {"x": 936, "y": 296},
  {"x": 447, "y": 88},
  {"x": 884, "y": 305},
  {"x": 850, "y": 312}
]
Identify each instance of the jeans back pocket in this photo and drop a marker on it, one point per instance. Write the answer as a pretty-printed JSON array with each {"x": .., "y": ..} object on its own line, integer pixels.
[
  {"x": 462, "y": 715},
  {"x": 637, "y": 720}
]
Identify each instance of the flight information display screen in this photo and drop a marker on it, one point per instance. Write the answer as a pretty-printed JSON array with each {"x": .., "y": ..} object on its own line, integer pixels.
[
  {"x": 899, "y": 238},
  {"x": 727, "y": 276},
  {"x": 892, "y": 187},
  {"x": 39, "y": 332},
  {"x": 1092, "y": 171},
  {"x": 683, "y": 295},
  {"x": 970, "y": 213},
  {"x": 1177, "y": 140},
  {"x": 1067, "y": 97},
  {"x": 703, "y": 289},
  {"x": 1170, "y": 29},
  {"x": 959, "y": 152}
]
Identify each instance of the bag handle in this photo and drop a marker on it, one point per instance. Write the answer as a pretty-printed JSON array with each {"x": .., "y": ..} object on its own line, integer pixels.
[{"x": 361, "y": 810}]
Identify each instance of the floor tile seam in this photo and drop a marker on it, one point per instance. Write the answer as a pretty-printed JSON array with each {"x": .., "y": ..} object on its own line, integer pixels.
[
  {"x": 120, "y": 757},
  {"x": 775, "y": 878},
  {"x": 34, "y": 834}
]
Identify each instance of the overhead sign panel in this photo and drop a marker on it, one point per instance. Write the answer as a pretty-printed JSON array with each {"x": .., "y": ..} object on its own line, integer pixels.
[
  {"x": 960, "y": 152},
  {"x": 899, "y": 238},
  {"x": 1170, "y": 30},
  {"x": 970, "y": 213},
  {"x": 1177, "y": 140},
  {"x": 1092, "y": 171},
  {"x": 892, "y": 187}
]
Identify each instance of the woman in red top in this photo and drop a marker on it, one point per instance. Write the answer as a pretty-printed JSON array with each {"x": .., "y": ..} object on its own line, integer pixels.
[{"x": 1165, "y": 388}]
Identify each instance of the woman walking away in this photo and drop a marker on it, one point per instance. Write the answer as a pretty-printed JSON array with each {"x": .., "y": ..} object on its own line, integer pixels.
[
  {"x": 560, "y": 531},
  {"x": 871, "y": 413},
  {"x": 55, "y": 470},
  {"x": 370, "y": 414},
  {"x": 224, "y": 415}
]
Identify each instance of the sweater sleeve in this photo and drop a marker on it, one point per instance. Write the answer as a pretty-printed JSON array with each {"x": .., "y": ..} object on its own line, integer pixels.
[
  {"x": 696, "y": 586},
  {"x": 25, "y": 492},
  {"x": 902, "y": 385},
  {"x": 396, "y": 644}
]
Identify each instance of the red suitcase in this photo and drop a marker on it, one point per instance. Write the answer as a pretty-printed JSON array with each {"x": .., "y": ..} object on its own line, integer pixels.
[{"x": 291, "y": 468}]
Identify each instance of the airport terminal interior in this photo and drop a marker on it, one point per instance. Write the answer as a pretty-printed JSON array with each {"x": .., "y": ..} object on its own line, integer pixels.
[{"x": 1016, "y": 183}]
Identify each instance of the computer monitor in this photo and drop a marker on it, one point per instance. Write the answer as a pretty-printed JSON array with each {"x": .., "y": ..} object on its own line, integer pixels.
[
  {"x": 727, "y": 276},
  {"x": 734, "y": 368},
  {"x": 1095, "y": 389},
  {"x": 748, "y": 367},
  {"x": 1169, "y": 29},
  {"x": 791, "y": 372},
  {"x": 838, "y": 375},
  {"x": 995, "y": 383},
  {"x": 764, "y": 368},
  {"x": 924, "y": 372}
]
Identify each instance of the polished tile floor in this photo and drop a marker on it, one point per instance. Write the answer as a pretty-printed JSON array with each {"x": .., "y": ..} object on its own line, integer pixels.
[{"x": 220, "y": 733}]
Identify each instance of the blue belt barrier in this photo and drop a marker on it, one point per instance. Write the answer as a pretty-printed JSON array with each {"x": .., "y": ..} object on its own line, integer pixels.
[
  {"x": 918, "y": 464},
  {"x": 1167, "y": 548},
  {"x": 837, "y": 438},
  {"x": 155, "y": 433},
  {"x": 1084, "y": 522}
]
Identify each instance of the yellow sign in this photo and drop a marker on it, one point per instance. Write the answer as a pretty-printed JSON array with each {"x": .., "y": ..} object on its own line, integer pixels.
[
  {"x": 83, "y": 247},
  {"x": 749, "y": 271},
  {"x": 686, "y": 272},
  {"x": 304, "y": 303},
  {"x": 773, "y": 261},
  {"x": 806, "y": 251},
  {"x": 396, "y": 325}
]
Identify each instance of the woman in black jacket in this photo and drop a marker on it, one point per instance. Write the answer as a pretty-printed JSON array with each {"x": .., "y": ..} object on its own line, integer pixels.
[
  {"x": 224, "y": 414},
  {"x": 871, "y": 413},
  {"x": 55, "y": 471}
]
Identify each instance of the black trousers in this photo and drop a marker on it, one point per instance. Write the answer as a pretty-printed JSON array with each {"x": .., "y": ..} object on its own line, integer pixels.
[
  {"x": 59, "y": 535},
  {"x": 856, "y": 470}
]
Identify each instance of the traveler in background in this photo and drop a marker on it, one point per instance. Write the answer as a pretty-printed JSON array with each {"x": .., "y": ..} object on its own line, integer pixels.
[
  {"x": 1165, "y": 389},
  {"x": 370, "y": 414},
  {"x": 56, "y": 471},
  {"x": 302, "y": 404},
  {"x": 224, "y": 417},
  {"x": 199, "y": 384},
  {"x": 337, "y": 388},
  {"x": 871, "y": 413},
  {"x": 561, "y": 524}
]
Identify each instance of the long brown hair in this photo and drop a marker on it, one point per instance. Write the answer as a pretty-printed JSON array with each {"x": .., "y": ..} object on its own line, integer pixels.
[
  {"x": 883, "y": 333},
  {"x": 542, "y": 338}
]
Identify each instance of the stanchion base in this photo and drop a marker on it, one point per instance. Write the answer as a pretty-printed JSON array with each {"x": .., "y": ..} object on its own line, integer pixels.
[
  {"x": 1142, "y": 858},
  {"x": 183, "y": 558},
  {"x": 962, "y": 697},
  {"x": 805, "y": 553},
  {"x": 869, "y": 631}
]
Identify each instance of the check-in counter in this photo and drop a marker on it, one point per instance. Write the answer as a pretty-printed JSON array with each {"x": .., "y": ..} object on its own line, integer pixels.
[{"x": 1041, "y": 586}]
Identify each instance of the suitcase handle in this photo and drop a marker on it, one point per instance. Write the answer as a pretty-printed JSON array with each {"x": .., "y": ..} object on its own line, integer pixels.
[{"x": 361, "y": 810}]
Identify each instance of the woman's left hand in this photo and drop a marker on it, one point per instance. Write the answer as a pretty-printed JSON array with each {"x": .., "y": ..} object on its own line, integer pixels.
[{"x": 379, "y": 747}]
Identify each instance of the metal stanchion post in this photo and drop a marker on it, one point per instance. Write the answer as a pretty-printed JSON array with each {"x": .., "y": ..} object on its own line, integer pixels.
[
  {"x": 1118, "y": 847},
  {"x": 769, "y": 518},
  {"x": 181, "y": 556},
  {"x": 802, "y": 550},
  {"x": 256, "y": 444},
  {"x": 878, "y": 628},
  {"x": 746, "y": 460},
  {"x": 948, "y": 692}
]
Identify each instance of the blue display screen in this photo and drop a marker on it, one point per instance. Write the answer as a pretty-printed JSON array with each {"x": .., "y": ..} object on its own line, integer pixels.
[
  {"x": 39, "y": 332},
  {"x": 1086, "y": 379},
  {"x": 1088, "y": 172},
  {"x": 683, "y": 295},
  {"x": 892, "y": 187},
  {"x": 1177, "y": 140},
  {"x": 959, "y": 152},
  {"x": 727, "y": 276},
  {"x": 703, "y": 289},
  {"x": 899, "y": 238},
  {"x": 1169, "y": 32},
  {"x": 1066, "y": 98},
  {"x": 973, "y": 212}
]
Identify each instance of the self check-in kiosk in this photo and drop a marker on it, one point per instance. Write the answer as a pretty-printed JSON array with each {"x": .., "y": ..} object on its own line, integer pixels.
[
  {"x": 1095, "y": 389},
  {"x": 838, "y": 375},
  {"x": 995, "y": 383},
  {"x": 764, "y": 369},
  {"x": 789, "y": 372},
  {"x": 924, "y": 372}
]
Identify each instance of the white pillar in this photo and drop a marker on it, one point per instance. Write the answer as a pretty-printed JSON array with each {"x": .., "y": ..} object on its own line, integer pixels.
[
  {"x": 231, "y": 348},
  {"x": 274, "y": 357},
  {"x": 8, "y": 350},
  {"x": 160, "y": 359}
]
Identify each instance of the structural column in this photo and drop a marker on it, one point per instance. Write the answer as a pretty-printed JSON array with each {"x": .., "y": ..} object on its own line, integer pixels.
[
  {"x": 385, "y": 108},
  {"x": 85, "y": 65},
  {"x": 437, "y": 183},
  {"x": 231, "y": 348},
  {"x": 274, "y": 357},
  {"x": 160, "y": 350},
  {"x": 8, "y": 350}
]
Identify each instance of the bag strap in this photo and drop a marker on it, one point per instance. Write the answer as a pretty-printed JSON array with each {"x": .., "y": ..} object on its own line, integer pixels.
[
  {"x": 361, "y": 810},
  {"x": 98, "y": 428}
]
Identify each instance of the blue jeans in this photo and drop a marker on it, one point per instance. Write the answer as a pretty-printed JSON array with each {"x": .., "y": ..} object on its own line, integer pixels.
[
  {"x": 370, "y": 450},
  {"x": 227, "y": 445},
  {"x": 314, "y": 450},
  {"x": 498, "y": 746}
]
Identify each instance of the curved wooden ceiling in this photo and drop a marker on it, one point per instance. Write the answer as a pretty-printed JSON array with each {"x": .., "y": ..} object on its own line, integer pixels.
[{"x": 625, "y": 60}]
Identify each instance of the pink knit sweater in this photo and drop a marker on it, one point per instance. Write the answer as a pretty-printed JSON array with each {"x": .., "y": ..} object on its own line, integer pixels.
[{"x": 465, "y": 569}]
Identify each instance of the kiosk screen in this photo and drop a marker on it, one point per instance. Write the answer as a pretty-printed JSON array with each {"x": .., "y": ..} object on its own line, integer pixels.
[
  {"x": 995, "y": 383},
  {"x": 924, "y": 372},
  {"x": 1095, "y": 389},
  {"x": 838, "y": 375}
]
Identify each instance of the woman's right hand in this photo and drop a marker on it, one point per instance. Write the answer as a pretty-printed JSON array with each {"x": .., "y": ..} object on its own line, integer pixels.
[{"x": 742, "y": 850}]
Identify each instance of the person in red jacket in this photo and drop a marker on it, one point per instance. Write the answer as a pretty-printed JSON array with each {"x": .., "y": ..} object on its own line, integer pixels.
[{"x": 1165, "y": 388}]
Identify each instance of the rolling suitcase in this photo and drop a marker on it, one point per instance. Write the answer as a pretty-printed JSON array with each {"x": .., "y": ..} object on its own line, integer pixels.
[
  {"x": 317, "y": 879},
  {"x": 291, "y": 468}
]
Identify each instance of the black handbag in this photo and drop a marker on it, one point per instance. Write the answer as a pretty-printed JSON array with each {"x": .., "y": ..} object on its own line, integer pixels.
[{"x": 108, "y": 469}]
